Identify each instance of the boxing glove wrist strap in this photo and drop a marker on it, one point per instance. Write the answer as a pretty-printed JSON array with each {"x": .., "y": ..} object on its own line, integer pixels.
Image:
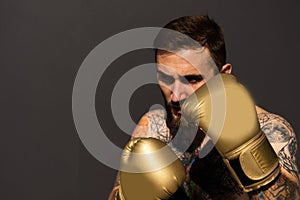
[{"x": 253, "y": 165}]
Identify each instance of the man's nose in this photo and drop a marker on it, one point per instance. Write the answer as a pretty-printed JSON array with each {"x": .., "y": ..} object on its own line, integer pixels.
[
  {"x": 178, "y": 91},
  {"x": 174, "y": 98}
]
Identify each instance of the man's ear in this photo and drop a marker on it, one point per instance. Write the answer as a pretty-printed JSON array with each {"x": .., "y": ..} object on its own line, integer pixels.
[{"x": 227, "y": 68}]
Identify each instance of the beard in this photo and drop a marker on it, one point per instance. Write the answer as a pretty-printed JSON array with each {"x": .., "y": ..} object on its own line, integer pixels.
[
  {"x": 173, "y": 117},
  {"x": 188, "y": 138}
]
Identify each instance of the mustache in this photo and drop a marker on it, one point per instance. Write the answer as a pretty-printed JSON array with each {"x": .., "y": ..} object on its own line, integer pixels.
[
  {"x": 173, "y": 118},
  {"x": 176, "y": 104}
]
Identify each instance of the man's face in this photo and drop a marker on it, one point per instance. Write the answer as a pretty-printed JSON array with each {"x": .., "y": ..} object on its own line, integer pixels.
[{"x": 179, "y": 78}]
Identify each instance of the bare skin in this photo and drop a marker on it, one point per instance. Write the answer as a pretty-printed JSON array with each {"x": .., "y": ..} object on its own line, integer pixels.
[
  {"x": 287, "y": 184},
  {"x": 178, "y": 79}
]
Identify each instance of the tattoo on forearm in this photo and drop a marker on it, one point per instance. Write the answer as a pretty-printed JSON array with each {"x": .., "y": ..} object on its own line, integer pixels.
[
  {"x": 286, "y": 154},
  {"x": 282, "y": 189}
]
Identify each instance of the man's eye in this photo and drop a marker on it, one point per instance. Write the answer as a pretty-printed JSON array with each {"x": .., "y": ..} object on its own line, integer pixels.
[
  {"x": 191, "y": 79},
  {"x": 168, "y": 80}
]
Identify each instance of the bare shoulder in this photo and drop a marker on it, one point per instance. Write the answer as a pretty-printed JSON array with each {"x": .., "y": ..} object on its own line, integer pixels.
[
  {"x": 283, "y": 139},
  {"x": 278, "y": 131},
  {"x": 153, "y": 124}
]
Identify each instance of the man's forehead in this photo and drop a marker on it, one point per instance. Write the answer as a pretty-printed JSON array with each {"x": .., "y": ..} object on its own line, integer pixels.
[{"x": 186, "y": 62}]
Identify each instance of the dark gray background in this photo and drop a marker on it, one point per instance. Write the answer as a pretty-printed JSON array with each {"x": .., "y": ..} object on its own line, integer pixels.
[{"x": 42, "y": 45}]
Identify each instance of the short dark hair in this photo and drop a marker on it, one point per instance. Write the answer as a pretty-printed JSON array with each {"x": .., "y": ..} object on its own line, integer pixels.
[{"x": 202, "y": 29}]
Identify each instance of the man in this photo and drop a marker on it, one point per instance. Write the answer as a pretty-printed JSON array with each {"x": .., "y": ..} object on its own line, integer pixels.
[{"x": 184, "y": 68}]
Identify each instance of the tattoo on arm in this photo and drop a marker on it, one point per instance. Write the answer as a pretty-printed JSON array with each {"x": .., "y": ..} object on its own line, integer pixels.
[
  {"x": 153, "y": 125},
  {"x": 282, "y": 189},
  {"x": 282, "y": 137},
  {"x": 158, "y": 128},
  {"x": 141, "y": 130}
]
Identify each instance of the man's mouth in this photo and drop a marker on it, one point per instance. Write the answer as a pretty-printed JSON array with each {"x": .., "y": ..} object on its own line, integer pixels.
[{"x": 176, "y": 110}]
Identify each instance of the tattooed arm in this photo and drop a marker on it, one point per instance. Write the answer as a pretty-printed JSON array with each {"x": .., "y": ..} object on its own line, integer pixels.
[
  {"x": 283, "y": 139},
  {"x": 152, "y": 124}
]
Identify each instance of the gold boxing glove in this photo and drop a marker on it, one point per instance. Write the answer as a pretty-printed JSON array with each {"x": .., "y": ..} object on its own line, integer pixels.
[
  {"x": 150, "y": 170},
  {"x": 225, "y": 111}
]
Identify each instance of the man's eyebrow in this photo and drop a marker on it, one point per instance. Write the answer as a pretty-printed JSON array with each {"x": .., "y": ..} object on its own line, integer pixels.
[
  {"x": 158, "y": 71},
  {"x": 187, "y": 77}
]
